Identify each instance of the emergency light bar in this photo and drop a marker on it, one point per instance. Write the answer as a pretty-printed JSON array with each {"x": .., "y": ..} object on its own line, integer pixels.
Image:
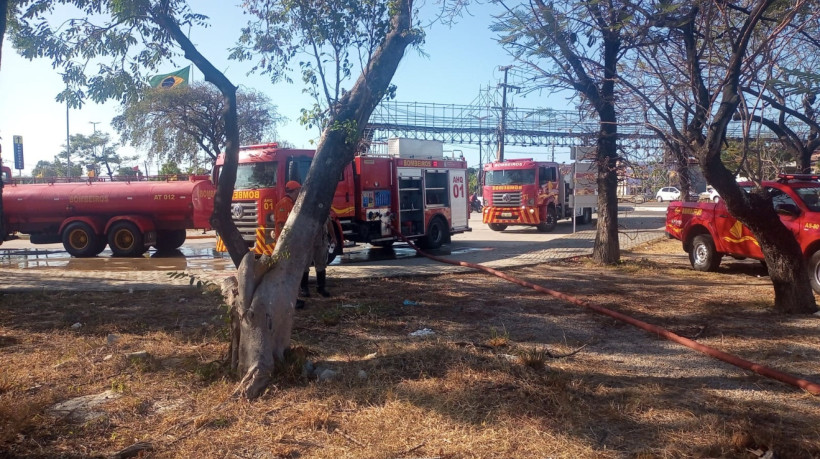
[{"x": 798, "y": 177}]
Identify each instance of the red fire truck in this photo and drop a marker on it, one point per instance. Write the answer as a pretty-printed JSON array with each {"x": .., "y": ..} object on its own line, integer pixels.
[
  {"x": 526, "y": 192},
  {"x": 261, "y": 175},
  {"x": 129, "y": 216},
  {"x": 412, "y": 190}
]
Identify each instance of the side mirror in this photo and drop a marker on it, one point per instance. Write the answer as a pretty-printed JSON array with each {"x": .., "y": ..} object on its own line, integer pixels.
[{"x": 790, "y": 210}]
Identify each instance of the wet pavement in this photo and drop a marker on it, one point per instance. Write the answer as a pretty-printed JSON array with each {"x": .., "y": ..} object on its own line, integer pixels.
[{"x": 50, "y": 268}]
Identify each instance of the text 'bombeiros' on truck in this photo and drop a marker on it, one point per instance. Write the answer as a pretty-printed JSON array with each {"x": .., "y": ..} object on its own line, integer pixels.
[
  {"x": 525, "y": 192},
  {"x": 410, "y": 191}
]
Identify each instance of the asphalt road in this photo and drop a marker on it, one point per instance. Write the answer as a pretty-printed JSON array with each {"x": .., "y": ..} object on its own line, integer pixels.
[{"x": 480, "y": 245}]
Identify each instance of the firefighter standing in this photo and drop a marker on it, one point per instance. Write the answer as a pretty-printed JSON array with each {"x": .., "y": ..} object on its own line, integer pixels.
[
  {"x": 319, "y": 245},
  {"x": 285, "y": 205},
  {"x": 319, "y": 249},
  {"x": 282, "y": 211}
]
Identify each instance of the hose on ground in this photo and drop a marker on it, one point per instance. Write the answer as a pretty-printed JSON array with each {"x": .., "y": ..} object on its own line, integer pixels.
[{"x": 809, "y": 386}]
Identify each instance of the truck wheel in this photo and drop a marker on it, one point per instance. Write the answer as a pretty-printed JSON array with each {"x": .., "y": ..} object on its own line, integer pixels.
[
  {"x": 586, "y": 216},
  {"x": 168, "y": 240},
  {"x": 125, "y": 240},
  {"x": 703, "y": 256},
  {"x": 80, "y": 240},
  {"x": 497, "y": 226},
  {"x": 550, "y": 223},
  {"x": 814, "y": 271},
  {"x": 436, "y": 233}
]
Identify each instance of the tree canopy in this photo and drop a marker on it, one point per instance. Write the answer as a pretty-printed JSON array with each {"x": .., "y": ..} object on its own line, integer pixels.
[{"x": 177, "y": 124}]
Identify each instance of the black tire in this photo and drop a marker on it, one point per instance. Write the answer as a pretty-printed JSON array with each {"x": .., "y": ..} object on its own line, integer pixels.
[
  {"x": 550, "y": 223},
  {"x": 126, "y": 240},
  {"x": 586, "y": 217},
  {"x": 101, "y": 243},
  {"x": 168, "y": 240},
  {"x": 814, "y": 271},
  {"x": 660, "y": 199},
  {"x": 436, "y": 234},
  {"x": 497, "y": 226},
  {"x": 704, "y": 256},
  {"x": 80, "y": 240}
]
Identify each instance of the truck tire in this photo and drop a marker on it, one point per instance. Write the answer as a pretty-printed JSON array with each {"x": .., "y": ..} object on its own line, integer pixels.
[
  {"x": 814, "y": 271},
  {"x": 550, "y": 223},
  {"x": 125, "y": 240},
  {"x": 436, "y": 234},
  {"x": 586, "y": 216},
  {"x": 497, "y": 226},
  {"x": 80, "y": 240},
  {"x": 168, "y": 240},
  {"x": 704, "y": 256}
]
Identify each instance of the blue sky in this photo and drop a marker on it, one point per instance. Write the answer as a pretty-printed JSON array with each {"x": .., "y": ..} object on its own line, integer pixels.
[{"x": 459, "y": 61}]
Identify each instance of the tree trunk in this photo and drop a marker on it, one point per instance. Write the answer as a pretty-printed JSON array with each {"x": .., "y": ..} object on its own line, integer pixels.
[
  {"x": 267, "y": 288},
  {"x": 607, "y": 249}
]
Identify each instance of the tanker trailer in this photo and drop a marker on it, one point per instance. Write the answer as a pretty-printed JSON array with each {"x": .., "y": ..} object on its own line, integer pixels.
[{"x": 128, "y": 216}]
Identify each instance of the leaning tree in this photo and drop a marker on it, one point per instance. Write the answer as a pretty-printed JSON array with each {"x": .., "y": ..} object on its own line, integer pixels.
[{"x": 136, "y": 36}]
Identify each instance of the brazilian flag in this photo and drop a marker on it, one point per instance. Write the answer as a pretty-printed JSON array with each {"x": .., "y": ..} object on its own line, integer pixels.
[{"x": 171, "y": 80}]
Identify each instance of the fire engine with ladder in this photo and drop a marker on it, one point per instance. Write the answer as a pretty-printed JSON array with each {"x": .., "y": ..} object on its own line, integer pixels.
[{"x": 412, "y": 191}]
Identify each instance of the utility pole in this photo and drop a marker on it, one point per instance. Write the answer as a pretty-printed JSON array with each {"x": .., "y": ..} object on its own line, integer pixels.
[{"x": 503, "y": 128}]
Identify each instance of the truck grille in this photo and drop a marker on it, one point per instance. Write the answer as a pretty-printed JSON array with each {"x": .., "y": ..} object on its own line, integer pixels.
[
  {"x": 506, "y": 198},
  {"x": 244, "y": 215}
]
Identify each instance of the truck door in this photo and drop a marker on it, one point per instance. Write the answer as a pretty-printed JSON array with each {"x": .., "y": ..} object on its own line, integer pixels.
[
  {"x": 458, "y": 198},
  {"x": 735, "y": 237},
  {"x": 790, "y": 221}
]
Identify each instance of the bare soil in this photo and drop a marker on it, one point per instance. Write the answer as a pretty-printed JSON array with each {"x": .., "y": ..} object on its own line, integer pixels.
[{"x": 507, "y": 372}]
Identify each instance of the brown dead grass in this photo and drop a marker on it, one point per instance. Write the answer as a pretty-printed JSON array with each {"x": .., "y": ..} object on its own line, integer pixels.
[{"x": 508, "y": 373}]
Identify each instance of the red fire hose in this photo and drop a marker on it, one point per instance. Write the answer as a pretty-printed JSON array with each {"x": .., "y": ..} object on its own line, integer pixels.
[{"x": 809, "y": 386}]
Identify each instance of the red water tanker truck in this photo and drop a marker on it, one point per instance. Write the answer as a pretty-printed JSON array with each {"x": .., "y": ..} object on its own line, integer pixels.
[{"x": 129, "y": 216}]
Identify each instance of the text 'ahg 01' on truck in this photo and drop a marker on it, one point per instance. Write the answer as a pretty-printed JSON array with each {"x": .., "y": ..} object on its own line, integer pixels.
[
  {"x": 525, "y": 192},
  {"x": 128, "y": 216},
  {"x": 708, "y": 232},
  {"x": 412, "y": 190}
]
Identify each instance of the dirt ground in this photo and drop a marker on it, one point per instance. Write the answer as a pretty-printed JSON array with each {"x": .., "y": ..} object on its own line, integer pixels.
[{"x": 502, "y": 371}]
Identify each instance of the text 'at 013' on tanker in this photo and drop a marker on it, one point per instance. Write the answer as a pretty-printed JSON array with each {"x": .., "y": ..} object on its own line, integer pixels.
[
  {"x": 524, "y": 192},
  {"x": 129, "y": 215},
  {"x": 411, "y": 190}
]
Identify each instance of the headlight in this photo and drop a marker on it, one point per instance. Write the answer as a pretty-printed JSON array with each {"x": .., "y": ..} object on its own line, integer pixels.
[
  {"x": 271, "y": 219},
  {"x": 531, "y": 202}
]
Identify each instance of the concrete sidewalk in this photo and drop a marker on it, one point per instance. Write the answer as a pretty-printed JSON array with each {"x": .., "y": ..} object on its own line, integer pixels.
[{"x": 503, "y": 256}]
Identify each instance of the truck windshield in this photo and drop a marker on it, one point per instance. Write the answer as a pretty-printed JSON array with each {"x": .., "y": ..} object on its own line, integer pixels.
[
  {"x": 255, "y": 175},
  {"x": 810, "y": 196},
  {"x": 510, "y": 177}
]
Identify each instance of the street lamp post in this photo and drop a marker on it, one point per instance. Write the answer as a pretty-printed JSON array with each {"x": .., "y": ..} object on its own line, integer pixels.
[{"x": 480, "y": 150}]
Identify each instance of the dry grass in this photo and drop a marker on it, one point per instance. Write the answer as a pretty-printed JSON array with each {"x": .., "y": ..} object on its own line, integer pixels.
[{"x": 508, "y": 373}]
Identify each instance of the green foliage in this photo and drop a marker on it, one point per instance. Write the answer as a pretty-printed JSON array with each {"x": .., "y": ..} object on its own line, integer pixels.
[
  {"x": 106, "y": 49},
  {"x": 176, "y": 124},
  {"x": 193, "y": 278},
  {"x": 327, "y": 42},
  {"x": 169, "y": 168}
]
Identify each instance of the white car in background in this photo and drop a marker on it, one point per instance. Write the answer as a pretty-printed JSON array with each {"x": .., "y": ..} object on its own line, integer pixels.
[{"x": 667, "y": 193}]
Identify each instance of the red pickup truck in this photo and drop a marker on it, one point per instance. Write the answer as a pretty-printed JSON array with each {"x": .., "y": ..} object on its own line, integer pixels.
[{"x": 708, "y": 232}]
